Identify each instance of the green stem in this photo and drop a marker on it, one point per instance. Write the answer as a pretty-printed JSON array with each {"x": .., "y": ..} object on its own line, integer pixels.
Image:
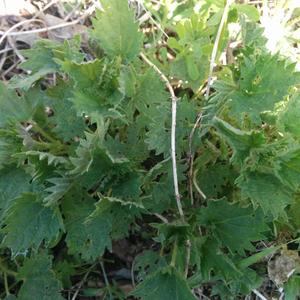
[
  {"x": 6, "y": 284},
  {"x": 174, "y": 254},
  {"x": 40, "y": 130},
  {"x": 5, "y": 270},
  {"x": 106, "y": 279}
]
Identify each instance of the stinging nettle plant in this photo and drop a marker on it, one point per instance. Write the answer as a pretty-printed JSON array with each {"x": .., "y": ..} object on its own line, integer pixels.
[{"x": 143, "y": 143}]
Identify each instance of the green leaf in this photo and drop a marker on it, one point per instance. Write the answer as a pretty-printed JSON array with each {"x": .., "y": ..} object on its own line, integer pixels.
[
  {"x": 96, "y": 87},
  {"x": 116, "y": 30},
  {"x": 292, "y": 288},
  {"x": 293, "y": 213},
  {"x": 91, "y": 230},
  {"x": 263, "y": 81},
  {"x": 10, "y": 144},
  {"x": 215, "y": 179},
  {"x": 158, "y": 136},
  {"x": 165, "y": 284},
  {"x": 176, "y": 231},
  {"x": 60, "y": 186},
  {"x": 13, "y": 108},
  {"x": 28, "y": 223},
  {"x": 13, "y": 182},
  {"x": 48, "y": 157},
  {"x": 267, "y": 192},
  {"x": 39, "y": 282},
  {"x": 10, "y": 297},
  {"x": 76, "y": 207},
  {"x": 213, "y": 259},
  {"x": 289, "y": 117},
  {"x": 120, "y": 214},
  {"x": 287, "y": 167},
  {"x": 249, "y": 10},
  {"x": 149, "y": 91},
  {"x": 64, "y": 271},
  {"x": 67, "y": 124},
  {"x": 252, "y": 259},
  {"x": 44, "y": 58},
  {"x": 234, "y": 226},
  {"x": 191, "y": 68},
  {"x": 242, "y": 142},
  {"x": 147, "y": 263}
]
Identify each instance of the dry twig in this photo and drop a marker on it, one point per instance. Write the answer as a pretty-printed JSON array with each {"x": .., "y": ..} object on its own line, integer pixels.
[
  {"x": 259, "y": 295},
  {"x": 83, "y": 281},
  {"x": 10, "y": 32}
]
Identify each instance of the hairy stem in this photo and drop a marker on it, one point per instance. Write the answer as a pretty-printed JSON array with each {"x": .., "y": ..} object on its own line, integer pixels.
[
  {"x": 191, "y": 160},
  {"x": 6, "y": 284},
  {"x": 215, "y": 47},
  {"x": 173, "y": 131},
  {"x": 174, "y": 254},
  {"x": 5, "y": 270},
  {"x": 105, "y": 279},
  {"x": 41, "y": 131},
  {"x": 188, "y": 258}
]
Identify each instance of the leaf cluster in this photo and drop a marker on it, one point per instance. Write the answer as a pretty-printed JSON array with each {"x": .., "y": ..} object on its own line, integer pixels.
[{"x": 86, "y": 162}]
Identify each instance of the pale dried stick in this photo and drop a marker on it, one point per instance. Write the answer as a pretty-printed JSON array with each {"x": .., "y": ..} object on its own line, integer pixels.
[
  {"x": 4, "y": 73},
  {"x": 162, "y": 218},
  {"x": 173, "y": 130},
  {"x": 5, "y": 50},
  {"x": 3, "y": 59},
  {"x": 16, "y": 50},
  {"x": 259, "y": 295},
  {"x": 83, "y": 281},
  {"x": 39, "y": 30},
  {"x": 152, "y": 19},
  {"x": 9, "y": 31}
]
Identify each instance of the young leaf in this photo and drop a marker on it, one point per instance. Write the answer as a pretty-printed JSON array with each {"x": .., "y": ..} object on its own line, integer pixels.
[{"x": 116, "y": 30}]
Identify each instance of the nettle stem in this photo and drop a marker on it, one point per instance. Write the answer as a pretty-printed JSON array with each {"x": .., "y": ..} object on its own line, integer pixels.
[
  {"x": 173, "y": 131},
  {"x": 216, "y": 46},
  {"x": 174, "y": 254}
]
